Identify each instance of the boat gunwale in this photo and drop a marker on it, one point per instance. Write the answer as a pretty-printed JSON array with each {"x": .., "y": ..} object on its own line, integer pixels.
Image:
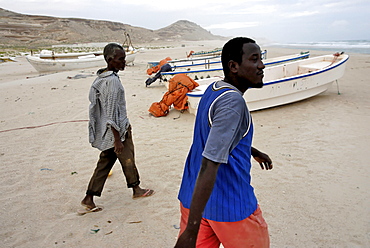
[
  {"x": 189, "y": 65},
  {"x": 186, "y": 72},
  {"x": 190, "y": 59},
  {"x": 295, "y": 77},
  {"x": 290, "y": 59},
  {"x": 186, "y": 60},
  {"x": 48, "y": 61},
  {"x": 218, "y": 69}
]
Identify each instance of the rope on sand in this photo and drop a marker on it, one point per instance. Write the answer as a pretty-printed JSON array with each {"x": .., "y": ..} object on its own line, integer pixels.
[{"x": 49, "y": 124}]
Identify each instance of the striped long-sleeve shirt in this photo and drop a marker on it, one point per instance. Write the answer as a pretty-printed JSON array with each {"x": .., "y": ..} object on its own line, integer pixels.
[{"x": 107, "y": 109}]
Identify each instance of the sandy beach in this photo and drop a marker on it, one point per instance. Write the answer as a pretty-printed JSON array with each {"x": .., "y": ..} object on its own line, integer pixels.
[{"x": 317, "y": 195}]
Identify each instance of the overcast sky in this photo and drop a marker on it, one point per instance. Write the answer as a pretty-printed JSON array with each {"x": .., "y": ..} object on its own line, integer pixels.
[{"x": 275, "y": 20}]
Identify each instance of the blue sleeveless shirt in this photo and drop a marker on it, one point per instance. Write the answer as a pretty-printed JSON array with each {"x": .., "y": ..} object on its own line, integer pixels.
[{"x": 233, "y": 197}]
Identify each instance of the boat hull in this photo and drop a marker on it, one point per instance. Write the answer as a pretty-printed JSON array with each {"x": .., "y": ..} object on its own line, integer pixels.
[{"x": 47, "y": 65}]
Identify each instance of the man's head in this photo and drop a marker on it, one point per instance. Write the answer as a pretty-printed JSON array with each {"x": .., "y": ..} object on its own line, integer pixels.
[
  {"x": 242, "y": 64},
  {"x": 115, "y": 56}
]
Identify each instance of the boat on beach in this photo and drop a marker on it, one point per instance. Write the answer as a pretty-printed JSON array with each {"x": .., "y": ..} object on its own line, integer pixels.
[
  {"x": 185, "y": 61},
  {"x": 44, "y": 65},
  {"x": 285, "y": 83},
  {"x": 195, "y": 61},
  {"x": 216, "y": 51},
  {"x": 50, "y": 62},
  {"x": 210, "y": 69}
]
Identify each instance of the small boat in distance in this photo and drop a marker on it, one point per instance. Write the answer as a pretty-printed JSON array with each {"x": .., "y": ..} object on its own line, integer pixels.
[
  {"x": 216, "y": 51},
  {"x": 50, "y": 62},
  {"x": 65, "y": 64},
  {"x": 285, "y": 83},
  {"x": 185, "y": 61}
]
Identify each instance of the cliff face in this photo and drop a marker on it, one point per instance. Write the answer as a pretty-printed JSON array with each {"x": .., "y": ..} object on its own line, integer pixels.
[{"x": 32, "y": 30}]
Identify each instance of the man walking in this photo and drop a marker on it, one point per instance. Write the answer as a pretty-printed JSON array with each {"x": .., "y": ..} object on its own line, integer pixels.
[
  {"x": 110, "y": 129},
  {"x": 217, "y": 202}
]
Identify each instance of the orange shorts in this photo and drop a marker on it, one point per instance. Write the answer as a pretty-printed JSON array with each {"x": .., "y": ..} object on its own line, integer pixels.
[{"x": 250, "y": 232}]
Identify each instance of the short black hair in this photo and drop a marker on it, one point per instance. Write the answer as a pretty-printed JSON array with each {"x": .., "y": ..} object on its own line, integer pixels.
[
  {"x": 110, "y": 50},
  {"x": 233, "y": 50}
]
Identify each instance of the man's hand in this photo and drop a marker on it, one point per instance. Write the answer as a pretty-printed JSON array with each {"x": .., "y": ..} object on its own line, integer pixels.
[
  {"x": 118, "y": 147},
  {"x": 262, "y": 158},
  {"x": 187, "y": 240}
]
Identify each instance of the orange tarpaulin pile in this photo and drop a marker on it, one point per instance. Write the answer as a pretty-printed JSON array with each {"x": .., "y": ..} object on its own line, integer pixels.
[
  {"x": 156, "y": 68},
  {"x": 179, "y": 85}
]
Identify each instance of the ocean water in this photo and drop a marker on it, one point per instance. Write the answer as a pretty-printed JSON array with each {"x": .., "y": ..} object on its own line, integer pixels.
[{"x": 347, "y": 46}]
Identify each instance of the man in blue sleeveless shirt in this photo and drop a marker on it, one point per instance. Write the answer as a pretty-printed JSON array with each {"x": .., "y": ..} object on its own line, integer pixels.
[{"x": 218, "y": 204}]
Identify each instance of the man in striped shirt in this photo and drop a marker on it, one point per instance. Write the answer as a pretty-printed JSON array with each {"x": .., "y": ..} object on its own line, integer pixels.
[
  {"x": 217, "y": 202},
  {"x": 110, "y": 129}
]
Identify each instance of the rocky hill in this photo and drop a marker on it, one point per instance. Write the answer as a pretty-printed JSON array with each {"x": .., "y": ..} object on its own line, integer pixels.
[{"x": 33, "y": 30}]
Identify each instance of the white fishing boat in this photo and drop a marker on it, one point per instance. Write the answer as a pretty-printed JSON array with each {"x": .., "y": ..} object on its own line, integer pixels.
[
  {"x": 71, "y": 61},
  {"x": 203, "y": 60},
  {"x": 285, "y": 83},
  {"x": 214, "y": 68},
  {"x": 216, "y": 51},
  {"x": 196, "y": 61},
  {"x": 62, "y": 64}
]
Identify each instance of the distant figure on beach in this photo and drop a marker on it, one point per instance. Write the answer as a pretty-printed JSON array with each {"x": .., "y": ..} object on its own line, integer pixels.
[
  {"x": 110, "y": 129},
  {"x": 217, "y": 201}
]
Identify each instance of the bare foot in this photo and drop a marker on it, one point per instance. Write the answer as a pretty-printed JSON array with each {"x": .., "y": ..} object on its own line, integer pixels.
[
  {"x": 88, "y": 202},
  {"x": 139, "y": 192}
]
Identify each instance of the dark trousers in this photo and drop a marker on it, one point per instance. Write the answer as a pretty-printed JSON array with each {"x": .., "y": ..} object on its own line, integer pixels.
[{"x": 106, "y": 161}]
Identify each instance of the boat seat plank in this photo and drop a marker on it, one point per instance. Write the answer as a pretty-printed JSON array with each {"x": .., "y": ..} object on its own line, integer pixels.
[
  {"x": 307, "y": 68},
  {"x": 317, "y": 65}
]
